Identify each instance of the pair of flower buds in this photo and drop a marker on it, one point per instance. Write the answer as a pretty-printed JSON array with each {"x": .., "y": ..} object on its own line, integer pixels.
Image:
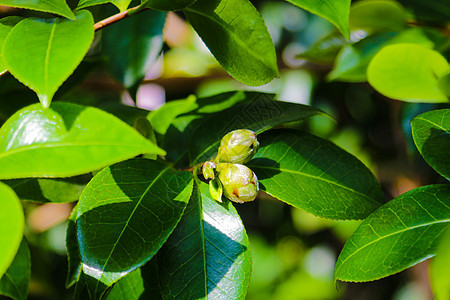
[{"x": 229, "y": 176}]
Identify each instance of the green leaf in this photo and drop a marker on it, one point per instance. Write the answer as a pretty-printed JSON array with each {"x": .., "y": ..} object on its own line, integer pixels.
[
  {"x": 122, "y": 5},
  {"x": 335, "y": 11},
  {"x": 440, "y": 282},
  {"x": 352, "y": 61},
  {"x": 315, "y": 175},
  {"x": 257, "y": 114},
  {"x": 431, "y": 133},
  {"x": 73, "y": 251},
  {"x": 11, "y": 226},
  {"x": 130, "y": 287},
  {"x": 6, "y": 24},
  {"x": 400, "y": 234},
  {"x": 168, "y": 5},
  {"x": 133, "y": 45},
  {"x": 58, "y": 7},
  {"x": 15, "y": 281},
  {"x": 66, "y": 140},
  {"x": 42, "y": 53},
  {"x": 208, "y": 254},
  {"x": 236, "y": 35},
  {"x": 444, "y": 83},
  {"x": 325, "y": 49},
  {"x": 408, "y": 72},
  {"x": 60, "y": 190},
  {"x": 216, "y": 189},
  {"x": 125, "y": 214},
  {"x": 377, "y": 16}
]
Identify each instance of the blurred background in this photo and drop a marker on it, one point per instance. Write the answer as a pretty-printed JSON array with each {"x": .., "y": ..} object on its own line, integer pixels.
[{"x": 293, "y": 252}]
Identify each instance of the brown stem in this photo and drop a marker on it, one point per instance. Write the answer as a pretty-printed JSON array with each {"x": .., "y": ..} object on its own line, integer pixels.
[{"x": 117, "y": 17}]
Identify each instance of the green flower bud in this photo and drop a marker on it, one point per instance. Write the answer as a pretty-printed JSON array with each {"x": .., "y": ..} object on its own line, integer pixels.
[
  {"x": 208, "y": 170},
  {"x": 240, "y": 184},
  {"x": 238, "y": 147}
]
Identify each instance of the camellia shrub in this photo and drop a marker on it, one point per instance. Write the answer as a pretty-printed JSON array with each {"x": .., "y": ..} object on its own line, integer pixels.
[{"x": 156, "y": 191}]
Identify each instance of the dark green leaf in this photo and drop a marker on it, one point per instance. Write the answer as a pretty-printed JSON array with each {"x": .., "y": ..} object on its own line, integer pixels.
[
  {"x": 73, "y": 251},
  {"x": 168, "y": 5},
  {"x": 61, "y": 190},
  {"x": 315, "y": 175},
  {"x": 400, "y": 234},
  {"x": 441, "y": 263},
  {"x": 6, "y": 24},
  {"x": 125, "y": 214},
  {"x": 58, "y": 7},
  {"x": 11, "y": 226},
  {"x": 238, "y": 38},
  {"x": 335, "y": 11},
  {"x": 15, "y": 281},
  {"x": 122, "y": 5},
  {"x": 208, "y": 254},
  {"x": 431, "y": 133},
  {"x": 408, "y": 72},
  {"x": 66, "y": 140},
  {"x": 325, "y": 49},
  {"x": 430, "y": 11},
  {"x": 133, "y": 45},
  {"x": 42, "y": 53},
  {"x": 257, "y": 114}
]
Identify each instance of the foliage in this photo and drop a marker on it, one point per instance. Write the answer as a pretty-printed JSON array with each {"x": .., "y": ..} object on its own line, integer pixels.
[{"x": 146, "y": 224}]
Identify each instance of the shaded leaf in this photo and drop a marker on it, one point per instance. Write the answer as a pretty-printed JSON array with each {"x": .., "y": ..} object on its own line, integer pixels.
[
  {"x": 313, "y": 174},
  {"x": 335, "y": 11},
  {"x": 325, "y": 49},
  {"x": 400, "y": 234},
  {"x": 43, "y": 53},
  {"x": 208, "y": 254},
  {"x": 236, "y": 35},
  {"x": 125, "y": 214},
  {"x": 73, "y": 251},
  {"x": 257, "y": 114},
  {"x": 133, "y": 45},
  {"x": 58, "y": 7},
  {"x": 439, "y": 267},
  {"x": 11, "y": 226},
  {"x": 431, "y": 133},
  {"x": 14, "y": 283},
  {"x": 430, "y": 11},
  {"x": 66, "y": 140},
  {"x": 122, "y": 5},
  {"x": 408, "y": 72},
  {"x": 6, "y": 24},
  {"x": 168, "y": 5}
]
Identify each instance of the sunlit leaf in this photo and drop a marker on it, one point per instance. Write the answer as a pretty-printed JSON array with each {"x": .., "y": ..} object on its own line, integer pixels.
[
  {"x": 43, "y": 53},
  {"x": 408, "y": 72},
  {"x": 58, "y": 7},
  {"x": 400, "y": 234},
  {"x": 236, "y": 35},
  {"x": 6, "y": 24},
  {"x": 313, "y": 174},
  {"x": 120, "y": 4},
  {"x": 125, "y": 214},
  {"x": 14, "y": 283},
  {"x": 431, "y": 133},
  {"x": 66, "y": 140}
]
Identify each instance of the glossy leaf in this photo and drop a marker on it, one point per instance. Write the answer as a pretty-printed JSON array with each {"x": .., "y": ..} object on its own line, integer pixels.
[
  {"x": 208, "y": 255},
  {"x": 408, "y": 72},
  {"x": 257, "y": 114},
  {"x": 125, "y": 214},
  {"x": 441, "y": 263},
  {"x": 245, "y": 48},
  {"x": 400, "y": 234},
  {"x": 431, "y": 133},
  {"x": 14, "y": 283},
  {"x": 168, "y": 5},
  {"x": 130, "y": 287},
  {"x": 377, "y": 15},
  {"x": 66, "y": 140},
  {"x": 133, "y": 45},
  {"x": 61, "y": 190},
  {"x": 58, "y": 7},
  {"x": 335, "y": 11},
  {"x": 11, "y": 226},
  {"x": 313, "y": 174},
  {"x": 122, "y": 5},
  {"x": 43, "y": 53},
  {"x": 6, "y": 24}
]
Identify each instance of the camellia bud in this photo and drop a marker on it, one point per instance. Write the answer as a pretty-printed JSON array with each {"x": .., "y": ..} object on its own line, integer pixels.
[
  {"x": 240, "y": 184},
  {"x": 208, "y": 170},
  {"x": 238, "y": 147}
]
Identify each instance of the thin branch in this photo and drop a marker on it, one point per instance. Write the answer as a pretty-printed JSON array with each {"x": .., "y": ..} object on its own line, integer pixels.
[{"x": 117, "y": 17}]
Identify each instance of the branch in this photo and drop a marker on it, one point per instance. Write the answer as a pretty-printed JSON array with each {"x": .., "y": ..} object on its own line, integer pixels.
[{"x": 117, "y": 17}]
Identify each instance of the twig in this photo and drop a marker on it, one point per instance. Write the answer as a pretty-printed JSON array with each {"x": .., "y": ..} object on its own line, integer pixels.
[{"x": 117, "y": 17}]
